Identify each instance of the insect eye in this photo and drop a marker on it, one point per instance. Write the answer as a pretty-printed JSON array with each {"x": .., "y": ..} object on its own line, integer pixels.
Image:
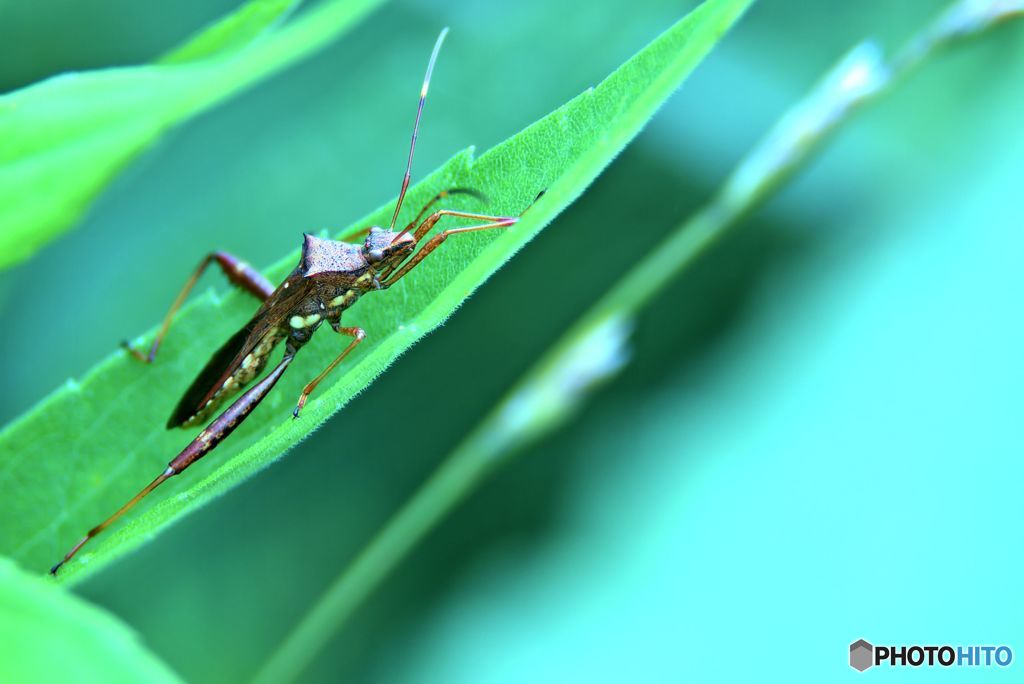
[{"x": 375, "y": 254}]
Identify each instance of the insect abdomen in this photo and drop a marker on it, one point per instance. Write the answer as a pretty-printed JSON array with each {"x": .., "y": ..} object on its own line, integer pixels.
[{"x": 250, "y": 366}]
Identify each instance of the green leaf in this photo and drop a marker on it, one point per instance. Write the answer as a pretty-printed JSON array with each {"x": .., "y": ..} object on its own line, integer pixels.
[
  {"x": 50, "y": 635},
  {"x": 233, "y": 31},
  {"x": 63, "y": 139},
  {"x": 87, "y": 448}
]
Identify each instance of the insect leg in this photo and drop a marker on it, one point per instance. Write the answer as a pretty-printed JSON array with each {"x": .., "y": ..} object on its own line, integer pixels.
[
  {"x": 479, "y": 196},
  {"x": 494, "y": 222},
  {"x": 358, "y": 335},
  {"x": 238, "y": 272},
  {"x": 362, "y": 232},
  {"x": 222, "y": 426}
]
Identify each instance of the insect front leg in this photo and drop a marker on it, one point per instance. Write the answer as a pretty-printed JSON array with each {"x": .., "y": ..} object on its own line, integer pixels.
[
  {"x": 479, "y": 196},
  {"x": 394, "y": 276},
  {"x": 357, "y": 335},
  {"x": 362, "y": 232},
  {"x": 391, "y": 277},
  {"x": 238, "y": 272}
]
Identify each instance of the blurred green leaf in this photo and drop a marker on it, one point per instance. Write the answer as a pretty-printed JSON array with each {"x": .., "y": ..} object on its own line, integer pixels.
[
  {"x": 63, "y": 139},
  {"x": 50, "y": 635},
  {"x": 103, "y": 437},
  {"x": 597, "y": 346},
  {"x": 233, "y": 31}
]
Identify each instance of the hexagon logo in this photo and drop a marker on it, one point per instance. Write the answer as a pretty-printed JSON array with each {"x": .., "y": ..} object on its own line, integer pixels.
[{"x": 862, "y": 655}]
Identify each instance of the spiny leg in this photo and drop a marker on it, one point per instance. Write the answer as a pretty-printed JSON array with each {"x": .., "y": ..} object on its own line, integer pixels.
[
  {"x": 110, "y": 521},
  {"x": 237, "y": 271},
  {"x": 437, "y": 198},
  {"x": 394, "y": 276},
  {"x": 358, "y": 335},
  {"x": 222, "y": 426},
  {"x": 391, "y": 277},
  {"x": 432, "y": 220},
  {"x": 362, "y": 232}
]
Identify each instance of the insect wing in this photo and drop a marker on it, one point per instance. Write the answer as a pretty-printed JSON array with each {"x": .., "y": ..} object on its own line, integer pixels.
[
  {"x": 221, "y": 365},
  {"x": 226, "y": 361}
]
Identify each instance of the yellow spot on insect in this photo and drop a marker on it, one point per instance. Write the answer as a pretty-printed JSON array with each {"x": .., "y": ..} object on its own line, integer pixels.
[
  {"x": 247, "y": 361},
  {"x": 298, "y": 322},
  {"x": 345, "y": 298},
  {"x": 286, "y": 285}
]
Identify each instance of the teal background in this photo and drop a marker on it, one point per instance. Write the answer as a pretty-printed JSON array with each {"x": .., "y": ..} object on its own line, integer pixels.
[{"x": 818, "y": 440}]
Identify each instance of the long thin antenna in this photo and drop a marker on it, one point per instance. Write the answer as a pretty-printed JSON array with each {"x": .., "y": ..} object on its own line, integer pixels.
[{"x": 416, "y": 126}]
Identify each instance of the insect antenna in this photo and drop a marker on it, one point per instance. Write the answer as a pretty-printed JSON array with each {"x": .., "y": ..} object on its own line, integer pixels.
[{"x": 416, "y": 126}]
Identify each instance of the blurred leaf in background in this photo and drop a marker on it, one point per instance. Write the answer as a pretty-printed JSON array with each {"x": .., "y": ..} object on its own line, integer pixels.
[
  {"x": 596, "y": 346},
  {"x": 64, "y": 138},
  {"x": 49, "y": 635},
  {"x": 845, "y": 368}
]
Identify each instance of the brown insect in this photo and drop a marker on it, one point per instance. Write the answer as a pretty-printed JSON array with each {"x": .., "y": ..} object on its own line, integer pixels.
[{"x": 329, "y": 278}]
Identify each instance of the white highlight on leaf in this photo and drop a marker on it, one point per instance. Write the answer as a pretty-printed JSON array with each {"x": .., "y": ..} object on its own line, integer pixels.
[
  {"x": 860, "y": 74},
  {"x": 547, "y": 398}
]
